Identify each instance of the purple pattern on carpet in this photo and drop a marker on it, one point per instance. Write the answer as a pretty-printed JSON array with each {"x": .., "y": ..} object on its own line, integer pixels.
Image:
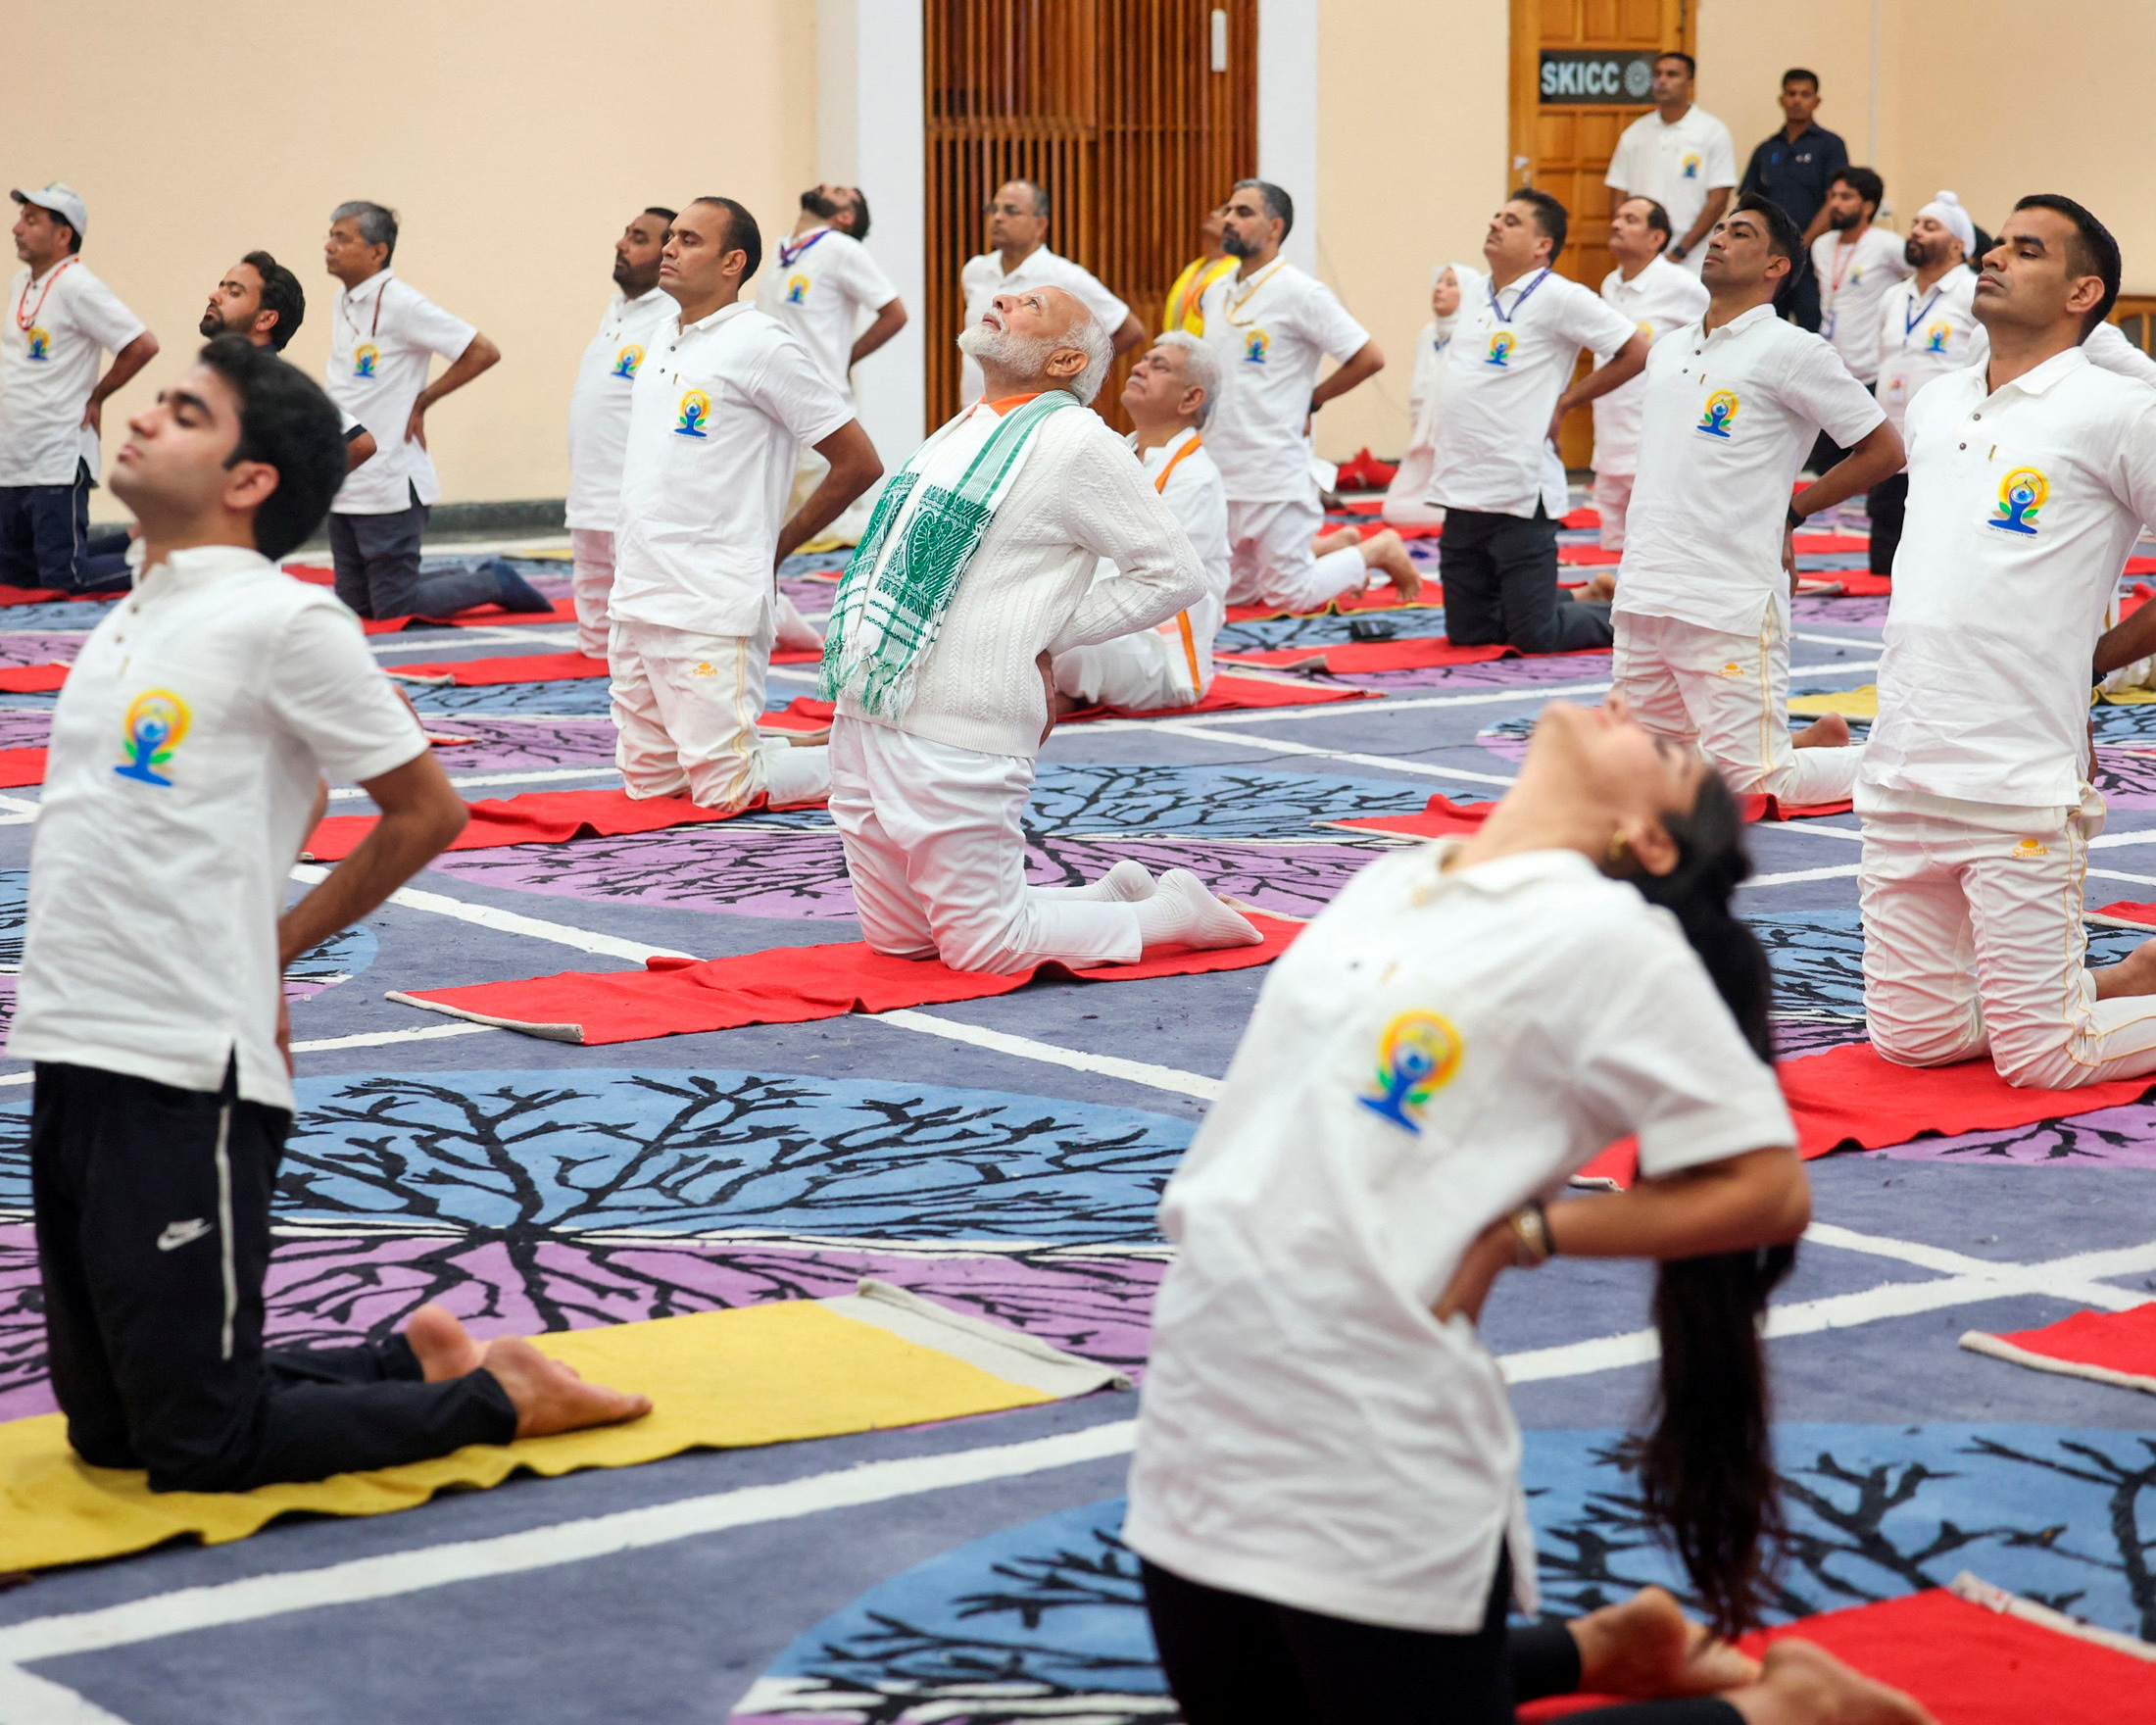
[
  {"x": 332, "y": 1292},
  {"x": 1496, "y": 674},
  {"x": 1862, "y": 613},
  {"x": 502, "y": 745},
  {"x": 2126, "y": 777},
  {"x": 22, "y": 728},
  {"x": 39, "y": 648},
  {"x": 2109, "y": 1138}
]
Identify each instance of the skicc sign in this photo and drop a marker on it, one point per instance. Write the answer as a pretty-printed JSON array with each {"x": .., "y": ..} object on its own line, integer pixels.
[{"x": 1572, "y": 75}]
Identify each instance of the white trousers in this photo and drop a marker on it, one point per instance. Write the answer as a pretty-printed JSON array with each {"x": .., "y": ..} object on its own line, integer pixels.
[
  {"x": 1974, "y": 942},
  {"x": 591, "y": 583},
  {"x": 1729, "y": 695},
  {"x": 685, "y": 710},
  {"x": 1612, "y": 497},
  {"x": 1270, "y": 560},
  {"x": 1141, "y": 672},
  {"x": 937, "y": 855}
]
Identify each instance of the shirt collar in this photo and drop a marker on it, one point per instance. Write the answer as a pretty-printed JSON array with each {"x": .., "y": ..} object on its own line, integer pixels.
[
  {"x": 642, "y": 299},
  {"x": 2059, "y": 366},
  {"x": 1505, "y": 875},
  {"x": 723, "y": 314},
  {"x": 1160, "y": 455},
  {"x": 1039, "y": 255},
  {"x": 371, "y": 286},
  {"x": 196, "y": 567},
  {"x": 1742, "y": 322}
]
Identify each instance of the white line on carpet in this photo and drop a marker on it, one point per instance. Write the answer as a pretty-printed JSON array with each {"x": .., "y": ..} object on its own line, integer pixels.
[
  {"x": 508, "y": 921},
  {"x": 323, "y": 1045},
  {"x": 1107, "y": 1066},
  {"x": 1391, "y": 762},
  {"x": 536, "y": 776}
]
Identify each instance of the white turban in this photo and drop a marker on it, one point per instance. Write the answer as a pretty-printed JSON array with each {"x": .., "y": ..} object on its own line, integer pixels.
[{"x": 1946, "y": 211}]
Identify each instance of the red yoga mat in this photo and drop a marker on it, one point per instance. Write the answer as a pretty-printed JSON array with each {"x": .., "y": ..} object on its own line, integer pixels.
[
  {"x": 1442, "y": 817},
  {"x": 1380, "y": 598},
  {"x": 1587, "y": 553},
  {"x": 1969, "y": 1663},
  {"x": 1832, "y": 545},
  {"x": 22, "y": 766},
  {"x": 1412, "y": 652},
  {"x": 536, "y": 817},
  {"x": 2109, "y": 1347},
  {"x": 479, "y": 616},
  {"x": 782, "y": 985},
  {"x": 32, "y": 679},
  {"x": 1854, "y": 583},
  {"x": 1228, "y": 694},
  {"x": 487, "y": 673}
]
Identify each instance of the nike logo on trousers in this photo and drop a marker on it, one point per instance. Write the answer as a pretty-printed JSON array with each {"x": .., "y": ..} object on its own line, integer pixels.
[{"x": 178, "y": 1234}]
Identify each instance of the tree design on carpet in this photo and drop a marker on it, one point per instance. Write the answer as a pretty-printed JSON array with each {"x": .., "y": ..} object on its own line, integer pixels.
[
  {"x": 740, "y": 867},
  {"x": 586, "y": 698},
  {"x": 500, "y": 744},
  {"x": 1205, "y": 801},
  {"x": 2120, "y": 1137},
  {"x": 2126, "y": 777}
]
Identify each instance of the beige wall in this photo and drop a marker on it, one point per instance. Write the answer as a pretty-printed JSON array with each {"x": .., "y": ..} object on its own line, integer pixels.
[{"x": 513, "y": 138}]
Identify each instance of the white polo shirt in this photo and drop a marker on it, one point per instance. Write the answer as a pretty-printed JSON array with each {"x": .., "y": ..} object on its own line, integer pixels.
[
  {"x": 2024, "y": 505},
  {"x": 1923, "y": 336},
  {"x": 1854, "y": 283},
  {"x": 1677, "y": 166},
  {"x": 983, "y": 278},
  {"x": 599, "y": 410},
  {"x": 186, "y": 747},
  {"x": 1511, "y": 357},
  {"x": 819, "y": 286},
  {"x": 1270, "y": 331},
  {"x": 1661, "y": 298},
  {"x": 59, "y": 326},
  {"x": 1433, "y": 1052},
  {"x": 1728, "y": 420},
  {"x": 383, "y": 336},
  {"x": 1199, "y": 501},
  {"x": 717, "y": 420}
]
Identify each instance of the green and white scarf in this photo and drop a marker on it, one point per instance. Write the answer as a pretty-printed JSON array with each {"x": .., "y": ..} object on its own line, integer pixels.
[{"x": 898, "y": 585}]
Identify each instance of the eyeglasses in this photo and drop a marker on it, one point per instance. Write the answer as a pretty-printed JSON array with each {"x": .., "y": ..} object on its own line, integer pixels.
[{"x": 1004, "y": 210}]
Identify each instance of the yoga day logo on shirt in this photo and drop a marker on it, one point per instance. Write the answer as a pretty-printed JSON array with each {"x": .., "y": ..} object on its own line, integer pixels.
[
  {"x": 1691, "y": 168},
  {"x": 2022, "y": 494},
  {"x": 797, "y": 289},
  {"x": 1501, "y": 344},
  {"x": 1417, "y": 1057},
  {"x": 1934, "y": 339},
  {"x": 627, "y": 359},
  {"x": 40, "y": 341},
  {"x": 1256, "y": 347},
  {"x": 156, "y": 725},
  {"x": 695, "y": 415},
  {"x": 365, "y": 357},
  {"x": 1721, "y": 413}
]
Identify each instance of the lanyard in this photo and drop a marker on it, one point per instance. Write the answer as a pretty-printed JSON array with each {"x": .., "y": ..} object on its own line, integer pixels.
[
  {"x": 1260, "y": 281},
  {"x": 1191, "y": 448},
  {"x": 1183, "y": 618},
  {"x": 1910, "y": 320},
  {"x": 25, "y": 325},
  {"x": 1519, "y": 299},
  {"x": 787, "y": 258},
  {"x": 1844, "y": 255},
  {"x": 345, "y": 310}
]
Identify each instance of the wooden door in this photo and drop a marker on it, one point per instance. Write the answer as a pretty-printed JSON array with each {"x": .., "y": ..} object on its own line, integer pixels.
[
  {"x": 1579, "y": 69},
  {"x": 1138, "y": 115}
]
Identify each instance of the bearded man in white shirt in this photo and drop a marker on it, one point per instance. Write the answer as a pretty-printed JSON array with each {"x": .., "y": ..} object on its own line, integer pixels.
[
  {"x": 599, "y": 417},
  {"x": 1018, "y": 258},
  {"x": 1702, "y": 611},
  {"x": 720, "y": 408},
  {"x": 2030, "y": 478},
  {"x": 151, "y": 994},
  {"x": 979, "y": 567},
  {"x": 1270, "y": 326},
  {"x": 1657, "y": 296},
  {"x": 1169, "y": 398}
]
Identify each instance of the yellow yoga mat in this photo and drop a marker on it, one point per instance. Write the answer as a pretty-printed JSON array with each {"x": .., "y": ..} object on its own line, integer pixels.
[
  {"x": 1862, "y": 702},
  {"x": 759, "y": 1374}
]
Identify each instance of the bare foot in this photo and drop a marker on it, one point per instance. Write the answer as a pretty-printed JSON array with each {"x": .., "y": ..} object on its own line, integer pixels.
[
  {"x": 1804, "y": 1684},
  {"x": 2135, "y": 973},
  {"x": 1831, "y": 731},
  {"x": 1645, "y": 1646},
  {"x": 445, "y": 1349},
  {"x": 1339, "y": 539},
  {"x": 1601, "y": 588},
  {"x": 1387, "y": 552},
  {"x": 549, "y": 1397}
]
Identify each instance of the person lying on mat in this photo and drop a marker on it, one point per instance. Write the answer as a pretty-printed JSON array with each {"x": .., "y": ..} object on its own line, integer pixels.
[
  {"x": 977, "y": 568},
  {"x": 1169, "y": 398},
  {"x": 1326, "y": 1488},
  {"x": 187, "y": 750},
  {"x": 2030, "y": 478}
]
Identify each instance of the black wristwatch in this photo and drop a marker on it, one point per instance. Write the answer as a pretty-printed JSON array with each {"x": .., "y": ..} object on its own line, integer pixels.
[{"x": 1796, "y": 520}]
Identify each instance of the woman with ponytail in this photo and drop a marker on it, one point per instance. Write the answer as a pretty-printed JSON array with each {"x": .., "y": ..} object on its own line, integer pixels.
[{"x": 1326, "y": 1491}]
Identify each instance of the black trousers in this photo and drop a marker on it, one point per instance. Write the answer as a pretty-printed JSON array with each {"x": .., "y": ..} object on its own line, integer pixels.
[
  {"x": 1886, "y": 503},
  {"x": 1501, "y": 586},
  {"x": 42, "y": 530},
  {"x": 152, "y": 1206},
  {"x": 1235, "y": 1661}
]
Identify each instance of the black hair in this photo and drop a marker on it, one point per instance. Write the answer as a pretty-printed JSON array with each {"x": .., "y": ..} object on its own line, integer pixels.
[
  {"x": 1783, "y": 237},
  {"x": 287, "y": 423},
  {"x": 1802, "y": 75},
  {"x": 1658, "y": 220},
  {"x": 1551, "y": 217},
  {"x": 742, "y": 233},
  {"x": 1044, "y": 206},
  {"x": 282, "y": 294},
  {"x": 1692, "y": 65},
  {"x": 1865, "y": 183},
  {"x": 2091, "y": 252},
  {"x": 661, "y": 211},
  {"x": 376, "y": 223},
  {"x": 1278, "y": 206},
  {"x": 1706, "y": 1470},
  {"x": 860, "y": 214}
]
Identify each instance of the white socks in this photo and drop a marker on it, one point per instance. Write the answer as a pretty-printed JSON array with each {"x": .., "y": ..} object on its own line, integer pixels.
[
  {"x": 1181, "y": 913},
  {"x": 794, "y": 775},
  {"x": 1126, "y": 883}
]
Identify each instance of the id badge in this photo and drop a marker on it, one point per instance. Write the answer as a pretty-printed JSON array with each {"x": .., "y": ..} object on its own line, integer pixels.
[{"x": 1826, "y": 326}]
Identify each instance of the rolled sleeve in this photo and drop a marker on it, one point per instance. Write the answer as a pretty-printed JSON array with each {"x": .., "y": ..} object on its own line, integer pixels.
[
  {"x": 791, "y": 389},
  {"x": 1831, "y": 396},
  {"x": 325, "y": 685}
]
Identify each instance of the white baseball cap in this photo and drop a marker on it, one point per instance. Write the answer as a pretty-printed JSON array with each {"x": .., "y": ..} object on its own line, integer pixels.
[{"x": 63, "y": 201}]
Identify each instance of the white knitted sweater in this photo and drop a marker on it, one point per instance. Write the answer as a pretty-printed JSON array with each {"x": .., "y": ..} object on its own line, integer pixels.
[{"x": 1078, "y": 498}]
